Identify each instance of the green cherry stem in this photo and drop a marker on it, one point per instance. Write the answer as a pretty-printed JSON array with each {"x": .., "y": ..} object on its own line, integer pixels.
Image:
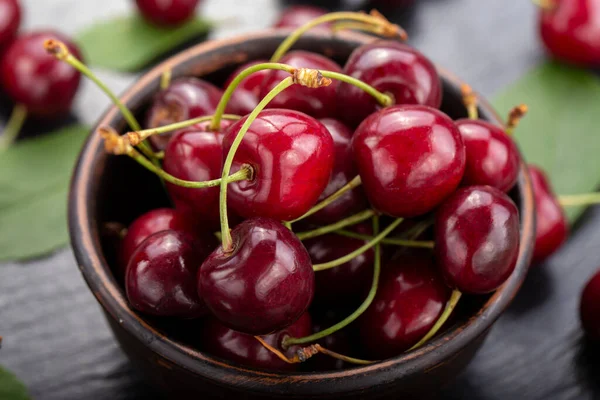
[
  {"x": 450, "y": 306},
  {"x": 13, "y": 126},
  {"x": 383, "y": 99},
  {"x": 289, "y": 341},
  {"x": 425, "y": 244},
  {"x": 165, "y": 79},
  {"x": 348, "y": 221},
  {"x": 579, "y": 199}
]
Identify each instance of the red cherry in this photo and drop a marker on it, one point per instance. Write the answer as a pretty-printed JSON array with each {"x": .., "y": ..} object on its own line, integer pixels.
[
  {"x": 492, "y": 156},
  {"x": 292, "y": 156},
  {"x": 319, "y": 103},
  {"x": 391, "y": 67},
  {"x": 410, "y": 158},
  {"x": 552, "y": 228},
  {"x": 10, "y": 20},
  {"x": 410, "y": 299},
  {"x": 167, "y": 13},
  {"x": 246, "y": 96},
  {"x": 569, "y": 31},
  {"x": 29, "y": 75},
  {"x": 476, "y": 233},
  {"x": 264, "y": 285},
  {"x": 296, "y": 16},
  {"x": 589, "y": 309},
  {"x": 221, "y": 341},
  {"x": 161, "y": 275}
]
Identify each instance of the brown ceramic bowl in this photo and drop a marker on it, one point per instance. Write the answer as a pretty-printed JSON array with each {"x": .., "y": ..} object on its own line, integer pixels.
[{"x": 108, "y": 188}]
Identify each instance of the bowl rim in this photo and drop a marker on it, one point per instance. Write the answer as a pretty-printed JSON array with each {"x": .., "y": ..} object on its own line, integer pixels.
[{"x": 85, "y": 242}]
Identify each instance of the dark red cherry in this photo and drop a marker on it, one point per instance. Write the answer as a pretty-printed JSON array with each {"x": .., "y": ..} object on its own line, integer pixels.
[
  {"x": 221, "y": 341},
  {"x": 319, "y": 103},
  {"x": 161, "y": 275},
  {"x": 247, "y": 94},
  {"x": 292, "y": 155},
  {"x": 410, "y": 299},
  {"x": 492, "y": 156},
  {"x": 410, "y": 158},
  {"x": 185, "y": 98},
  {"x": 167, "y": 13},
  {"x": 476, "y": 233},
  {"x": 10, "y": 20},
  {"x": 552, "y": 228},
  {"x": 391, "y": 67},
  {"x": 296, "y": 16},
  {"x": 348, "y": 282},
  {"x": 589, "y": 308},
  {"x": 36, "y": 79},
  {"x": 264, "y": 284},
  {"x": 568, "y": 29},
  {"x": 344, "y": 170}
]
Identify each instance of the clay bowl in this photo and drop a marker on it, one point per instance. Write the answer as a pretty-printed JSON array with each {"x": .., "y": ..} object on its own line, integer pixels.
[{"x": 108, "y": 188}]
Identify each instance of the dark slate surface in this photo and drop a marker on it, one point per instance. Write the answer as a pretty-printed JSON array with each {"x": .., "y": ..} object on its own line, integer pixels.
[{"x": 56, "y": 340}]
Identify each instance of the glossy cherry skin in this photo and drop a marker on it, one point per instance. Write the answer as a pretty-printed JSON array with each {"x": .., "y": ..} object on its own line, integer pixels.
[
  {"x": 492, "y": 156},
  {"x": 410, "y": 299},
  {"x": 292, "y": 156},
  {"x": 391, "y": 67},
  {"x": 410, "y": 158},
  {"x": 161, "y": 275},
  {"x": 589, "y": 307},
  {"x": 569, "y": 31},
  {"x": 185, "y": 98},
  {"x": 344, "y": 170},
  {"x": 265, "y": 284},
  {"x": 246, "y": 96},
  {"x": 296, "y": 16},
  {"x": 30, "y": 76},
  {"x": 319, "y": 103},
  {"x": 10, "y": 20},
  {"x": 167, "y": 13},
  {"x": 552, "y": 228},
  {"x": 221, "y": 341},
  {"x": 476, "y": 234}
]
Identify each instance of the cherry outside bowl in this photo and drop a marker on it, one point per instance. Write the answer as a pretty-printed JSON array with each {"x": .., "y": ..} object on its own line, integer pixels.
[{"x": 108, "y": 188}]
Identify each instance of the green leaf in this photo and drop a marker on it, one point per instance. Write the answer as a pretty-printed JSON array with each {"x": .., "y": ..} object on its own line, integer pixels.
[
  {"x": 34, "y": 180},
  {"x": 11, "y": 388},
  {"x": 130, "y": 43},
  {"x": 560, "y": 132}
]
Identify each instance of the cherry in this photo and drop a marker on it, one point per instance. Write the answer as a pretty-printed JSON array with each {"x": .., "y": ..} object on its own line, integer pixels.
[
  {"x": 569, "y": 30},
  {"x": 476, "y": 233},
  {"x": 410, "y": 158},
  {"x": 292, "y": 156},
  {"x": 410, "y": 299},
  {"x": 393, "y": 68},
  {"x": 185, "y": 98},
  {"x": 552, "y": 228},
  {"x": 221, "y": 341},
  {"x": 246, "y": 96},
  {"x": 167, "y": 13},
  {"x": 45, "y": 85},
  {"x": 348, "y": 282},
  {"x": 319, "y": 103},
  {"x": 264, "y": 284},
  {"x": 161, "y": 275},
  {"x": 589, "y": 309},
  {"x": 296, "y": 16},
  {"x": 492, "y": 156},
  {"x": 10, "y": 20},
  {"x": 344, "y": 170}
]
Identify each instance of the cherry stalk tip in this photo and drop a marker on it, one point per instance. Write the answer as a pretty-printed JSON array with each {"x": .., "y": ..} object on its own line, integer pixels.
[
  {"x": 113, "y": 142},
  {"x": 311, "y": 78},
  {"x": 56, "y": 48}
]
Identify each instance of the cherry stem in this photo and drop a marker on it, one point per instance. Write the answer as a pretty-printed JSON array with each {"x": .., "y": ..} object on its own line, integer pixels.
[
  {"x": 13, "y": 126},
  {"x": 386, "y": 28},
  {"x": 348, "y": 221},
  {"x": 225, "y": 234},
  {"x": 470, "y": 101},
  {"x": 216, "y": 120},
  {"x": 546, "y": 5},
  {"x": 383, "y": 99},
  {"x": 514, "y": 117},
  {"x": 450, "y": 306},
  {"x": 288, "y": 341},
  {"x": 350, "y": 256},
  {"x": 425, "y": 244},
  {"x": 579, "y": 199},
  {"x": 165, "y": 79}
]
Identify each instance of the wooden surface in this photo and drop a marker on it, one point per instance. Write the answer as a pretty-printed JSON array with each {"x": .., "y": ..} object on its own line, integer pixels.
[{"x": 56, "y": 340}]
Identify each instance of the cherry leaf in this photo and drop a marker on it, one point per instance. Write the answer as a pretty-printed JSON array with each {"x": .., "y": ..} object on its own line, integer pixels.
[{"x": 11, "y": 388}]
